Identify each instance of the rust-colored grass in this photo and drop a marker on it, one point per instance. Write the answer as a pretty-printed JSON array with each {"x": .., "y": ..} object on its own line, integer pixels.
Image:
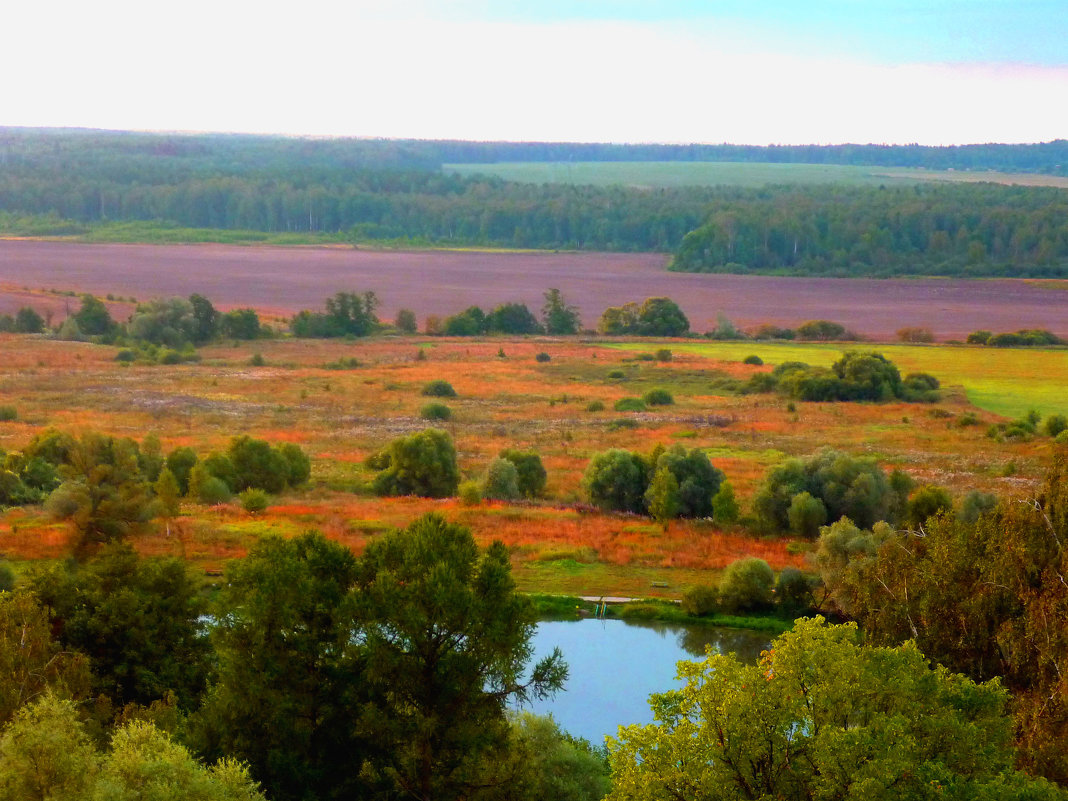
[{"x": 340, "y": 416}]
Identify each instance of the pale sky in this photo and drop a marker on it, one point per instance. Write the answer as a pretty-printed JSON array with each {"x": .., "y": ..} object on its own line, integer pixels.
[{"x": 741, "y": 71}]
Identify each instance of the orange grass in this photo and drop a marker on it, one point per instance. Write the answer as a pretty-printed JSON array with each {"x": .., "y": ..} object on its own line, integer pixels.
[{"x": 341, "y": 416}]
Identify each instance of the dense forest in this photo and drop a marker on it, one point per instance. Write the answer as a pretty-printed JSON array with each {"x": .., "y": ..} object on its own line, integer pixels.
[{"x": 385, "y": 190}]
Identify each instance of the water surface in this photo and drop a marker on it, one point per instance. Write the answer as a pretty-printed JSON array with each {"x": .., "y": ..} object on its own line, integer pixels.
[{"x": 615, "y": 666}]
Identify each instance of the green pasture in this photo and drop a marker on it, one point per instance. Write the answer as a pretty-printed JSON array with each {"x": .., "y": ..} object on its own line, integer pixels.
[
  {"x": 1005, "y": 381},
  {"x": 661, "y": 174}
]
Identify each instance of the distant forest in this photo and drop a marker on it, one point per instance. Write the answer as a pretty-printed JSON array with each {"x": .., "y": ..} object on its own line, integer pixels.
[{"x": 394, "y": 190}]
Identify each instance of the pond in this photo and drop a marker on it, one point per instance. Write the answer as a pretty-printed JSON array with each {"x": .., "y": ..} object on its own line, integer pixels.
[{"x": 615, "y": 665}]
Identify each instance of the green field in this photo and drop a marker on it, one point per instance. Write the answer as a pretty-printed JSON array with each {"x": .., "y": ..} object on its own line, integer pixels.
[
  {"x": 1005, "y": 381},
  {"x": 659, "y": 174}
]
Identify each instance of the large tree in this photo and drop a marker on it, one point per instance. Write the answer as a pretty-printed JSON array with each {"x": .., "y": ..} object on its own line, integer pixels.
[
  {"x": 822, "y": 717},
  {"x": 447, "y": 642}
]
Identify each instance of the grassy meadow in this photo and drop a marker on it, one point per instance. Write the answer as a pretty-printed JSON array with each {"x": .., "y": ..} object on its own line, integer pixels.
[
  {"x": 311, "y": 393},
  {"x": 666, "y": 174}
]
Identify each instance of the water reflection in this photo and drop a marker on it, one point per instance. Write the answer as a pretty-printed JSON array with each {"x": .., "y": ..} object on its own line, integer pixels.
[{"x": 615, "y": 666}]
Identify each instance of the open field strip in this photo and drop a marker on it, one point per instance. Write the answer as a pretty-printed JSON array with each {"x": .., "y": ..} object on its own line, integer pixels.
[
  {"x": 1005, "y": 381},
  {"x": 666, "y": 174}
]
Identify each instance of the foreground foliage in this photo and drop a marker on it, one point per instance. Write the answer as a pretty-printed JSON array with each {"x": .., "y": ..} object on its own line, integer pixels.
[{"x": 822, "y": 717}]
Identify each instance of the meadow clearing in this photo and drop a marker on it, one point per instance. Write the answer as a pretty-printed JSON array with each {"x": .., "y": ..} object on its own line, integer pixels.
[{"x": 310, "y": 392}]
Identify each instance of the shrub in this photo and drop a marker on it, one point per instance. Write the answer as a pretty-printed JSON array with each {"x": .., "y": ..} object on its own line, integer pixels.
[
  {"x": 28, "y": 321},
  {"x": 725, "y": 510},
  {"x": 976, "y": 504},
  {"x": 806, "y": 514},
  {"x": 629, "y": 405},
  {"x": 645, "y": 357},
  {"x": 746, "y": 586},
  {"x": 753, "y": 359},
  {"x": 125, "y": 355},
  {"x": 664, "y": 355},
  {"x": 470, "y": 493},
  {"x": 297, "y": 463},
  {"x": 979, "y": 337},
  {"x": 915, "y": 334},
  {"x": 1055, "y": 424},
  {"x": 927, "y": 502},
  {"x": 257, "y": 360},
  {"x": 698, "y": 481},
  {"x": 699, "y": 601},
  {"x": 257, "y": 464},
  {"x": 435, "y": 411},
  {"x": 658, "y": 397},
  {"x": 421, "y": 464},
  {"x": 793, "y": 591},
  {"x": 615, "y": 481},
  {"x": 531, "y": 475},
  {"x": 180, "y": 462},
  {"x": 512, "y": 318},
  {"x": 821, "y": 330},
  {"x": 439, "y": 389},
  {"x": 405, "y": 321},
  {"x": 7, "y": 577},
  {"x": 254, "y": 500},
  {"x": 595, "y": 406},
  {"x": 8, "y": 413},
  {"x": 169, "y": 356},
  {"x": 502, "y": 481},
  {"x": 848, "y": 486},
  {"x": 616, "y": 374},
  {"x": 542, "y": 357}
]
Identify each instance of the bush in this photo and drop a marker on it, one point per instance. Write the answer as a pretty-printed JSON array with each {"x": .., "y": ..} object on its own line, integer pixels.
[
  {"x": 915, "y": 334},
  {"x": 531, "y": 475},
  {"x": 658, "y": 397},
  {"x": 439, "y": 389},
  {"x": 125, "y": 355},
  {"x": 699, "y": 601},
  {"x": 595, "y": 406},
  {"x": 645, "y": 357},
  {"x": 470, "y": 493},
  {"x": 753, "y": 359},
  {"x": 542, "y": 357},
  {"x": 979, "y": 337},
  {"x": 663, "y": 355},
  {"x": 616, "y": 374},
  {"x": 928, "y": 501},
  {"x": 806, "y": 514},
  {"x": 297, "y": 463},
  {"x": 698, "y": 481},
  {"x": 405, "y": 321},
  {"x": 421, "y": 464},
  {"x": 257, "y": 360},
  {"x": 725, "y": 510},
  {"x": 502, "y": 481},
  {"x": 746, "y": 586},
  {"x": 254, "y": 500},
  {"x": 8, "y": 413},
  {"x": 211, "y": 491},
  {"x": 793, "y": 591},
  {"x": 7, "y": 577},
  {"x": 629, "y": 405},
  {"x": 257, "y": 465},
  {"x": 821, "y": 330},
  {"x": 1055, "y": 424},
  {"x": 435, "y": 411},
  {"x": 615, "y": 481},
  {"x": 28, "y": 321}
]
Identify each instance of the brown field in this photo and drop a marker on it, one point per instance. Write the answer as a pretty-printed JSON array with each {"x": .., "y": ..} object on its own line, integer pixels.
[
  {"x": 341, "y": 416},
  {"x": 281, "y": 281}
]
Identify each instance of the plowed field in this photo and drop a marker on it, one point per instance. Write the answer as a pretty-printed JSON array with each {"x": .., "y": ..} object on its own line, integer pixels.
[{"x": 284, "y": 280}]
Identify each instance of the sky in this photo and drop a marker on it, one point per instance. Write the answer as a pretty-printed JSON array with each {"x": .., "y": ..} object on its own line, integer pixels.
[{"x": 740, "y": 71}]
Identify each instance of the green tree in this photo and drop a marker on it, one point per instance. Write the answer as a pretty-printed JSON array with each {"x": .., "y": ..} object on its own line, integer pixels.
[
  {"x": 32, "y": 663},
  {"x": 164, "y": 321},
  {"x": 530, "y": 472},
  {"x": 94, "y": 319},
  {"x": 725, "y": 509},
  {"x": 46, "y": 754},
  {"x": 662, "y": 497},
  {"x": 180, "y": 462},
  {"x": 551, "y": 764},
  {"x": 806, "y": 514},
  {"x": 926, "y": 502},
  {"x": 447, "y": 643},
  {"x": 746, "y": 586},
  {"x": 619, "y": 320},
  {"x": 512, "y": 318},
  {"x": 661, "y": 317},
  {"x": 423, "y": 464},
  {"x": 257, "y": 464},
  {"x": 502, "y": 481},
  {"x": 28, "y": 321},
  {"x": 241, "y": 324},
  {"x": 405, "y": 321},
  {"x": 168, "y": 494},
  {"x": 697, "y": 479},
  {"x": 558, "y": 318},
  {"x": 822, "y": 717},
  {"x": 205, "y": 319},
  {"x": 615, "y": 481},
  {"x": 137, "y": 620},
  {"x": 288, "y": 696},
  {"x": 103, "y": 493}
]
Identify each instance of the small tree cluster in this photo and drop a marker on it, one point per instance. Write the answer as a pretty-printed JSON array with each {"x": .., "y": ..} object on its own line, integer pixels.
[
  {"x": 347, "y": 314},
  {"x": 669, "y": 483},
  {"x": 656, "y": 317},
  {"x": 1024, "y": 338},
  {"x": 856, "y": 376},
  {"x": 421, "y": 464}
]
